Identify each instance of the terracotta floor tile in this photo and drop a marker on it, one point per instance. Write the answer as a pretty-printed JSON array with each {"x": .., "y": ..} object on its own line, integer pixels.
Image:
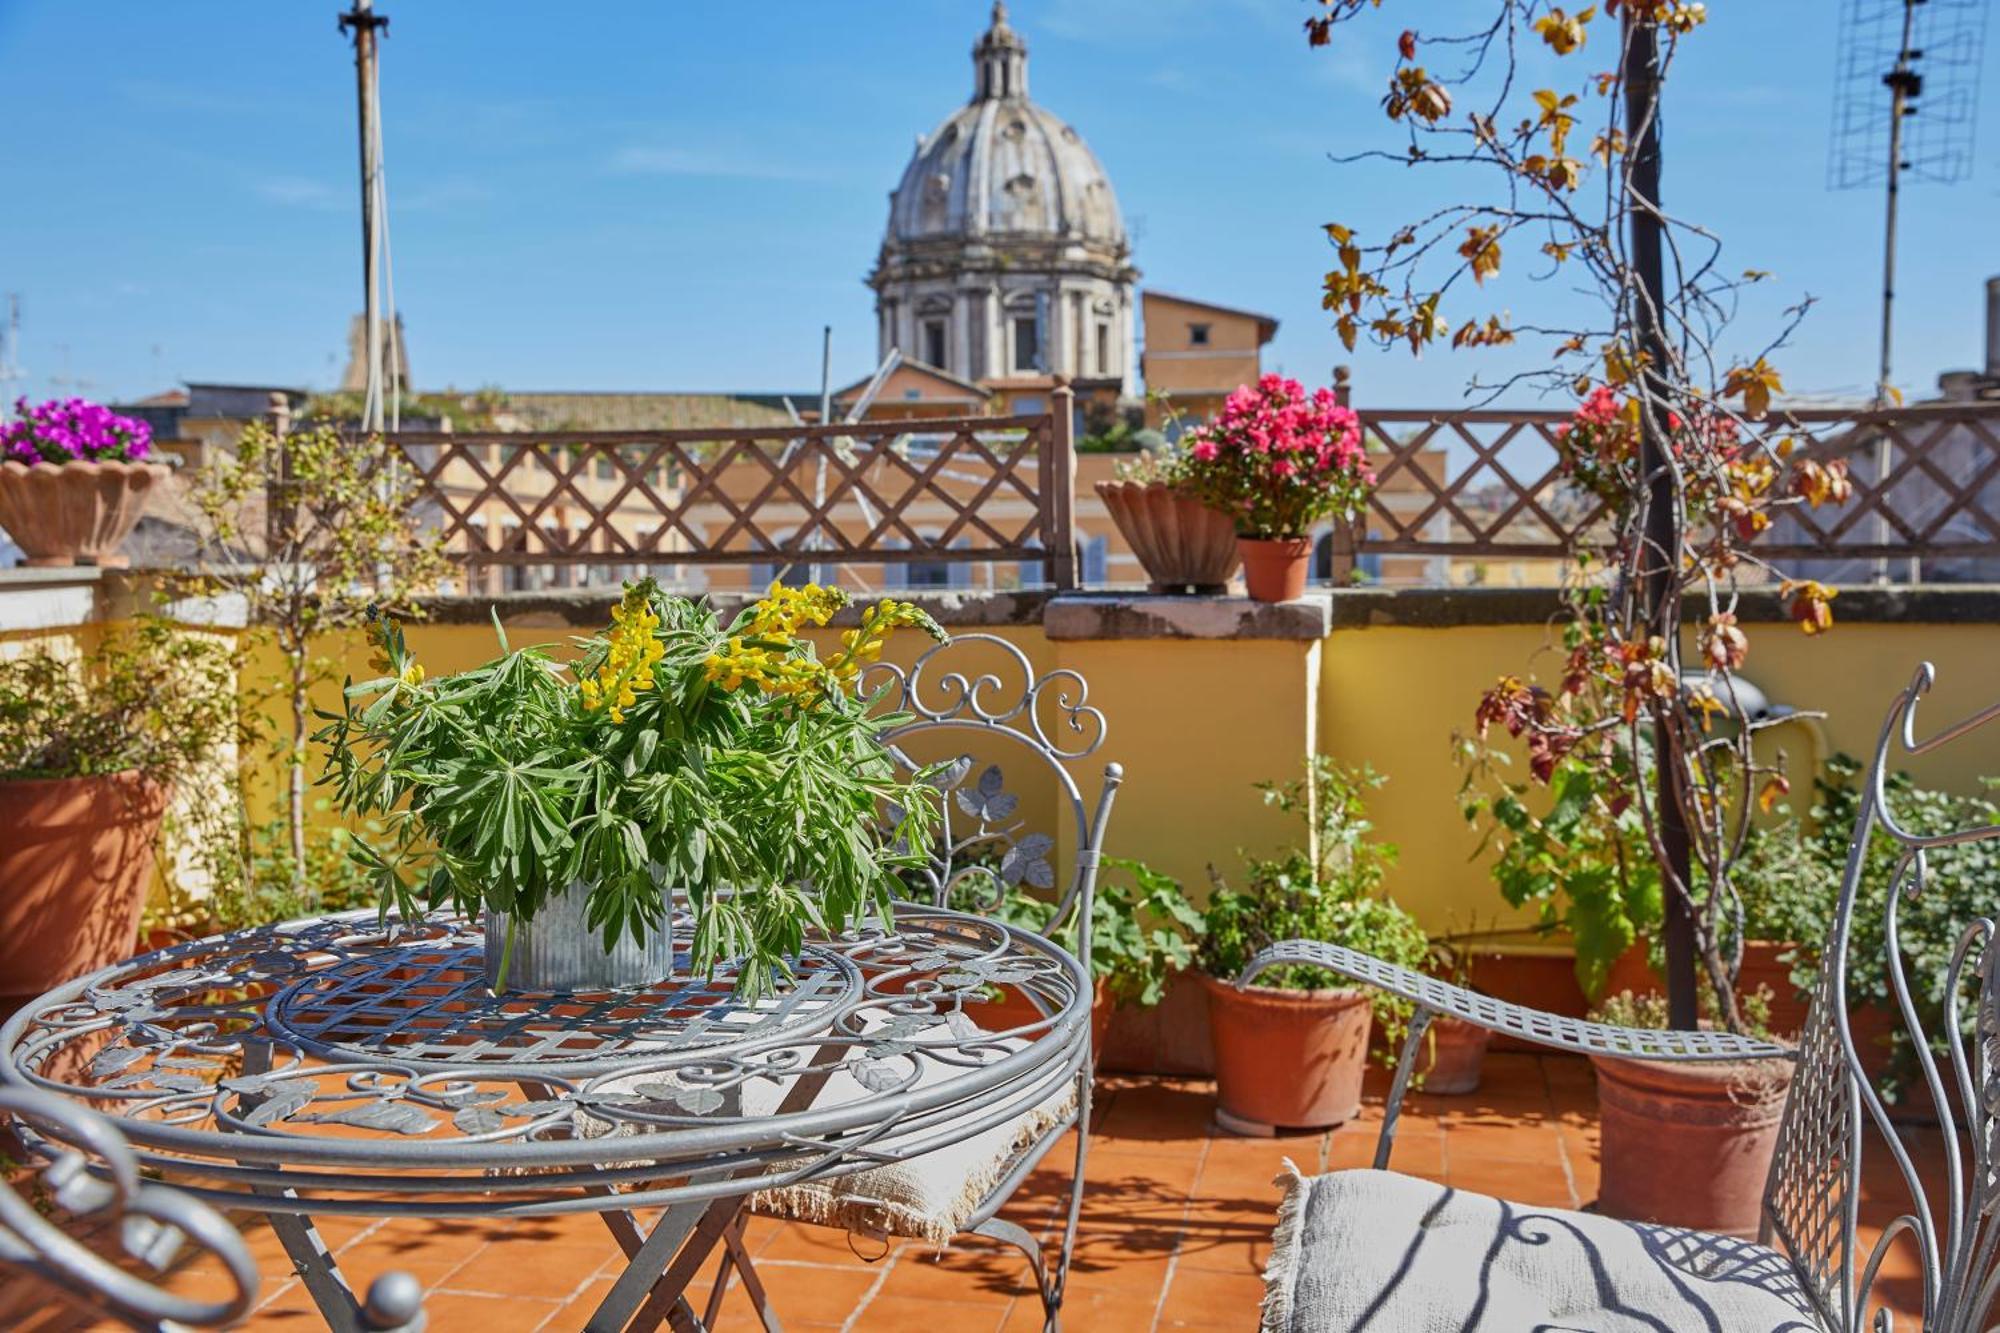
[
  {"x": 555, "y": 1271},
  {"x": 1204, "y": 1298},
  {"x": 455, "y": 1312},
  {"x": 916, "y": 1316},
  {"x": 807, "y": 1292},
  {"x": 971, "y": 1271}
]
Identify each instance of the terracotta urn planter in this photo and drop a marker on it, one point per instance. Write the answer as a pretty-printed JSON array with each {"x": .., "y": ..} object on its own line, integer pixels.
[
  {"x": 1287, "y": 1059},
  {"x": 62, "y": 513},
  {"x": 1762, "y": 966},
  {"x": 75, "y": 863},
  {"x": 1453, "y": 1056},
  {"x": 1275, "y": 570},
  {"x": 1184, "y": 545},
  {"x": 1688, "y": 1145}
]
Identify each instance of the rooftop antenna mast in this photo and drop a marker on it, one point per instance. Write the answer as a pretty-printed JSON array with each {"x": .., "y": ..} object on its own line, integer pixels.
[
  {"x": 384, "y": 362},
  {"x": 1906, "y": 103}
]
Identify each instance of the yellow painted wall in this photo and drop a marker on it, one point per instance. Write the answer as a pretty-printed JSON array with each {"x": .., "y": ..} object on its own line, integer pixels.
[{"x": 1197, "y": 723}]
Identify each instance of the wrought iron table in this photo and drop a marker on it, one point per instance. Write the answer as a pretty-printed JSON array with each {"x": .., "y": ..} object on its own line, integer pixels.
[{"x": 346, "y": 1065}]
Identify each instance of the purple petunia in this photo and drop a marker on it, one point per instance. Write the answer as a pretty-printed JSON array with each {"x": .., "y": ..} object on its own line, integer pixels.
[{"x": 71, "y": 430}]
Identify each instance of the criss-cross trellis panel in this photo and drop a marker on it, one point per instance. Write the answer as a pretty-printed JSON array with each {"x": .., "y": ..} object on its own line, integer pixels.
[
  {"x": 958, "y": 490},
  {"x": 1490, "y": 483}
]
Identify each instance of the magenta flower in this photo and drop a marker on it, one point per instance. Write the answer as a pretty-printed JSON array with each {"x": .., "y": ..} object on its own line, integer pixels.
[{"x": 72, "y": 430}]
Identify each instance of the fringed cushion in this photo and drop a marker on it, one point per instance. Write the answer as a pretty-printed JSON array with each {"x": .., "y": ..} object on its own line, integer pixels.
[
  {"x": 932, "y": 1196},
  {"x": 1377, "y": 1251}
]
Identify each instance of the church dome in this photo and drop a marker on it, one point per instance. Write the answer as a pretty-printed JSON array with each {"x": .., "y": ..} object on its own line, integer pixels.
[{"x": 1002, "y": 167}]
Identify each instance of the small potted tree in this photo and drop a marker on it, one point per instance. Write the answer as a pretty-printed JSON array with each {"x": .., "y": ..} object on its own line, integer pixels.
[
  {"x": 90, "y": 753},
  {"x": 568, "y": 803},
  {"x": 74, "y": 479},
  {"x": 1290, "y": 1050},
  {"x": 1277, "y": 460}
]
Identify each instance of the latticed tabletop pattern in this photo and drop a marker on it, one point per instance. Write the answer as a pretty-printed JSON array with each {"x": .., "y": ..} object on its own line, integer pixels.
[{"x": 346, "y": 1064}]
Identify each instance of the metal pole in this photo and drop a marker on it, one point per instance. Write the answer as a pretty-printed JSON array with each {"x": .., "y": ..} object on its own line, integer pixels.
[
  {"x": 1660, "y": 554},
  {"x": 1903, "y": 83},
  {"x": 363, "y": 20}
]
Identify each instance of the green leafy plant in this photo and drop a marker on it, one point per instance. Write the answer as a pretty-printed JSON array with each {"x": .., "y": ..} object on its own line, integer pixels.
[
  {"x": 1962, "y": 885},
  {"x": 151, "y": 697},
  {"x": 1330, "y": 890},
  {"x": 1583, "y": 865},
  {"x": 675, "y": 753},
  {"x": 1627, "y": 1009},
  {"x": 1141, "y": 934}
]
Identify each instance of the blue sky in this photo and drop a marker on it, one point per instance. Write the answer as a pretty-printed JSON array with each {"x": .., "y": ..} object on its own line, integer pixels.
[{"x": 678, "y": 196}]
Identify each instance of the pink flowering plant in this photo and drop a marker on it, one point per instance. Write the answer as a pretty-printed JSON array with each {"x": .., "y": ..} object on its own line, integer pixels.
[
  {"x": 72, "y": 430},
  {"x": 1278, "y": 459}
]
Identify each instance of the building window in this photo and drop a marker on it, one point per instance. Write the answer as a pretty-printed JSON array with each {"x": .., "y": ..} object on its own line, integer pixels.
[
  {"x": 605, "y": 470},
  {"x": 1096, "y": 562},
  {"x": 1197, "y": 335},
  {"x": 1104, "y": 349},
  {"x": 934, "y": 351},
  {"x": 1027, "y": 346}
]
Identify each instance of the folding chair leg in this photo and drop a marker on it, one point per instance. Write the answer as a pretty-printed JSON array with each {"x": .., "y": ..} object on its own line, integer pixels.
[{"x": 736, "y": 1255}]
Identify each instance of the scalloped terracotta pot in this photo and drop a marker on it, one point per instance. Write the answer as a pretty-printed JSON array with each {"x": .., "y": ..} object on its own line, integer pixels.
[
  {"x": 1275, "y": 570},
  {"x": 75, "y": 862},
  {"x": 62, "y": 513},
  {"x": 1287, "y": 1059},
  {"x": 1688, "y": 1145},
  {"x": 1183, "y": 544}
]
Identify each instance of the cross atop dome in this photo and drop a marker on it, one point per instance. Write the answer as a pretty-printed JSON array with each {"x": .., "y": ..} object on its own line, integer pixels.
[{"x": 1000, "y": 60}]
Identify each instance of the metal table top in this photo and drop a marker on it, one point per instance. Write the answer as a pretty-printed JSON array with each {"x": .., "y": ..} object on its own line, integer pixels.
[{"x": 346, "y": 1065}]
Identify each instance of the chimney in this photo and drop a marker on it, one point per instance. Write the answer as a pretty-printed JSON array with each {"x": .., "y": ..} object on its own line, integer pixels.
[{"x": 1993, "y": 328}]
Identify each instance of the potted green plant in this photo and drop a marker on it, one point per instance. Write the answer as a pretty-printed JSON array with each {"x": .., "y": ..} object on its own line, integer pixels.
[
  {"x": 1277, "y": 460},
  {"x": 74, "y": 478},
  {"x": 1141, "y": 934},
  {"x": 90, "y": 753},
  {"x": 1291, "y": 1048},
  {"x": 568, "y": 804},
  {"x": 1688, "y": 1144}
]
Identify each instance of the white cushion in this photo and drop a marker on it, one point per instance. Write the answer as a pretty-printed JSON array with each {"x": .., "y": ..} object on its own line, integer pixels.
[
  {"x": 930, "y": 1196},
  {"x": 1377, "y": 1252}
]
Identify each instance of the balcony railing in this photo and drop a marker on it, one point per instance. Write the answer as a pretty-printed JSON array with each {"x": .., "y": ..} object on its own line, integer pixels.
[
  {"x": 1458, "y": 489},
  {"x": 938, "y": 491}
]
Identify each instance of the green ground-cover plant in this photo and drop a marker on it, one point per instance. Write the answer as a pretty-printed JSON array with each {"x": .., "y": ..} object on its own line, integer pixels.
[
  {"x": 1142, "y": 932},
  {"x": 676, "y": 753},
  {"x": 150, "y": 697}
]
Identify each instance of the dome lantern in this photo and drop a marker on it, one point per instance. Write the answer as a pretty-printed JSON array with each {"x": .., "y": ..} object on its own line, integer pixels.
[{"x": 1000, "y": 60}]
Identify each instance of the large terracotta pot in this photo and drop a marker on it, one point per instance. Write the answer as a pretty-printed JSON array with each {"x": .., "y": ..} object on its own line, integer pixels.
[
  {"x": 1183, "y": 544},
  {"x": 1453, "y": 1056},
  {"x": 60, "y": 513},
  {"x": 1287, "y": 1059},
  {"x": 1275, "y": 571},
  {"x": 1688, "y": 1145},
  {"x": 75, "y": 862}
]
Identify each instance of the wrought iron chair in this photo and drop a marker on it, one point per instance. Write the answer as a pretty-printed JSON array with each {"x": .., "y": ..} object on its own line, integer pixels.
[
  {"x": 985, "y": 848},
  {"x": 91, "y": 1174},
  {"x": 1373, "y": 1249}
]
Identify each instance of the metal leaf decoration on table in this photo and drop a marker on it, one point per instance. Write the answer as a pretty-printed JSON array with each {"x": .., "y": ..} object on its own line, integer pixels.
[{"x": 395, "y": 1117}]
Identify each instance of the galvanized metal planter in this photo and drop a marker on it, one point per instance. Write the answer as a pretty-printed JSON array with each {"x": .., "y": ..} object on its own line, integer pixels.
[{"x": 558, "y": 950}]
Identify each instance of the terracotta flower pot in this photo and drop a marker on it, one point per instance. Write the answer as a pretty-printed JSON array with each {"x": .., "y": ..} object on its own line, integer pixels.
[
  {"x": 1275, "y": 571},
  {"x": 1183, "y": 544},
  {"x": 1287, "y": 1059},
  {"x": 1453, "y": 1056},
  {"x": 74, "y": 867},
  {"x": 60, "y": 513},
  {"x": 1688, "y": 1145}
]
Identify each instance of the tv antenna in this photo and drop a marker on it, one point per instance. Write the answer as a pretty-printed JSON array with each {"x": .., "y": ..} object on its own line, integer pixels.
[{"x": 1906, "y": 103}]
